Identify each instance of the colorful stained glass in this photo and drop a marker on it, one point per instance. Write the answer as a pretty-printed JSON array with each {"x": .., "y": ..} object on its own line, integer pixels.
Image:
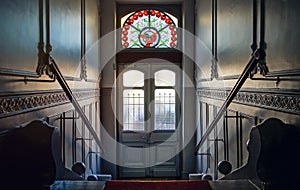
[{"x": 150, "y": 29}]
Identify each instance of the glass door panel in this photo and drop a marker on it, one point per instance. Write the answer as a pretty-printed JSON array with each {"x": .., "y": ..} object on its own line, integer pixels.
[
  {"x": 165, "y": 109},
  {"x": 133, "y": 110}
]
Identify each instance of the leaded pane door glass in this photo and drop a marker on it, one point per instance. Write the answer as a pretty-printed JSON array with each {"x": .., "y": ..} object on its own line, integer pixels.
[
  {"x": 133, "y": 101},
  {"x": 133, "y": 110},
  {"x": 165, "y": 109},
  {"x": 138, "y": 96}
]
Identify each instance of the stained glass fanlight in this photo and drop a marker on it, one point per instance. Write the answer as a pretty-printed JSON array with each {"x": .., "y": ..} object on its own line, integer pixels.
[{"x": 149, "y": 29}]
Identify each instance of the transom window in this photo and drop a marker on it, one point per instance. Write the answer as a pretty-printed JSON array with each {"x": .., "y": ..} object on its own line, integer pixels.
[{"x": 149, "y": 29}]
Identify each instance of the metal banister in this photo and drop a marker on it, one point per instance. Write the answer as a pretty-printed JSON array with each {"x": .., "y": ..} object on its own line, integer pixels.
[
  {"x": 54, "y": 68},
  {"x": 257, "y": 56}
]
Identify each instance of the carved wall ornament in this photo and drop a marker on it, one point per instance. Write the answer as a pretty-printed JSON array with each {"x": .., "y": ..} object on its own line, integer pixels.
[
  {"x": 30, "y": 101},
  {"x": 280, "y": 100}
]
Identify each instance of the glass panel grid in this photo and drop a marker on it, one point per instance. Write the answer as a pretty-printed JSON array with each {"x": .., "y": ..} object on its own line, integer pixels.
[
  {"x": 133, "y": 110},
  {"x": 165, "y": 109}
]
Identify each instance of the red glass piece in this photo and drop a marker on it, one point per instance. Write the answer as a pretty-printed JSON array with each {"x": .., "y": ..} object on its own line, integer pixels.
[
  {"x": 126, "y": 27},
  {"x": 158, "y": 14},
  {"x": 126, "y": 44},
  {"x": 163, "y": 17},
  {"x": 140, "y": 14},
  {"x": 168, "y": 21},
  {"x": 146, "y": 12},
  {"x": 125, "y": 32},
  {"x": 125, "y": 38},
  {"x": 152, "y": 13},
  {"x": 171, "y": 26},
  {"x": 173, "y": 32},
  {"x": 172, "y": 44},
  {"x": 130, "y": 21},
  {"x": 173, "y": 38}
]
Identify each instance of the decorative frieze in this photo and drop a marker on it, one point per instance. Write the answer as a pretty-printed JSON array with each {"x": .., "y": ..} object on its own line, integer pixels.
[
  {"x": 15, "y": 103},
  {"x": 280, "y": 100}
]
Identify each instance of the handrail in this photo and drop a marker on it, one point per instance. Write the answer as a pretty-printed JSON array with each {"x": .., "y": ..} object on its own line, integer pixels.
[
  {"x": 257, "y": 56},
  {"x": 54, "y": 68}
]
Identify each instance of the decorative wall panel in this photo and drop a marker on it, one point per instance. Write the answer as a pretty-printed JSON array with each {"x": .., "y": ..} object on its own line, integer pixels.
[
  {"x": 15, "y": 103},
  {"x": 280, "y": 100}
]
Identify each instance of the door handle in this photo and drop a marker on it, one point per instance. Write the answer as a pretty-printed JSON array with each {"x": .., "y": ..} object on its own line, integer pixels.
[{"x": 144, "y": 137}]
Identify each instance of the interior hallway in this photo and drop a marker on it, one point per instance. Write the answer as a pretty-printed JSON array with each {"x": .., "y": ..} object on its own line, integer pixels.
[{"x": 136, "y": 91}]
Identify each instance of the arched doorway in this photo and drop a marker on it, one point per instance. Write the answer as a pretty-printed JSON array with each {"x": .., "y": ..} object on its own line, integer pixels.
[{"x": 148, "y": 95}]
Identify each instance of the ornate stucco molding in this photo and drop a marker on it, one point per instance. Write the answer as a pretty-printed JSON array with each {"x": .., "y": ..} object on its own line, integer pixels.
[
  {"x": 279, "y": 100},
  {"x": 15, "y": 103}
]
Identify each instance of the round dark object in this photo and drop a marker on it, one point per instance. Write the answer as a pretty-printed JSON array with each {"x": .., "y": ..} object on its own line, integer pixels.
[
  {"x": 79, "y": 168},
  {"x": 207, "y": 177},
  {"x": 92, "y": 178},
  {"x": 224, "y": 167}
]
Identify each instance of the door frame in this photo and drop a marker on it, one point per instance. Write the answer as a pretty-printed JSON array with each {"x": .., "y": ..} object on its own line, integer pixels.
[{"x": 125, "y": 58}]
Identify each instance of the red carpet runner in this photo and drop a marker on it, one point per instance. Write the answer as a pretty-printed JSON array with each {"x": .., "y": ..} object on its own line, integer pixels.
[{"x": 157, "y": 185}]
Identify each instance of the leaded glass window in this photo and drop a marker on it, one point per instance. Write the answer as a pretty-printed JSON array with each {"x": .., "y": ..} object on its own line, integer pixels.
[
  {"x": 133, "y": 101},
  {"x": 150, "y": 29},
  {"x": 165, "y": 109},
  {"x": 133, "y": 110}
]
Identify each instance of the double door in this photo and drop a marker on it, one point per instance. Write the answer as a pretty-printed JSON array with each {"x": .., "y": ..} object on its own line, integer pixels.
[{"x": 149, "y": 120}]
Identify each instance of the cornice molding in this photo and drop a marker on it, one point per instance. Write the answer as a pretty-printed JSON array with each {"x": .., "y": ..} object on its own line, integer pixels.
[
  {"x": 273, "y": 99},
  {"x": 22, "y": 102}
]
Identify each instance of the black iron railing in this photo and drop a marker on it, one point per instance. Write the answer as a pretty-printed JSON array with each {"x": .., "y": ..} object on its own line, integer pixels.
[
  {"x": 257, "y": 56},
  {"x": 59, "y": 77}
]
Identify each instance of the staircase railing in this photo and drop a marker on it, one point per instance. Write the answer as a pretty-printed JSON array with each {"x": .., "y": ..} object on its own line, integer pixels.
[
  {"x": 54, "y": 68},
  {"x": 257, "y": 56}
]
